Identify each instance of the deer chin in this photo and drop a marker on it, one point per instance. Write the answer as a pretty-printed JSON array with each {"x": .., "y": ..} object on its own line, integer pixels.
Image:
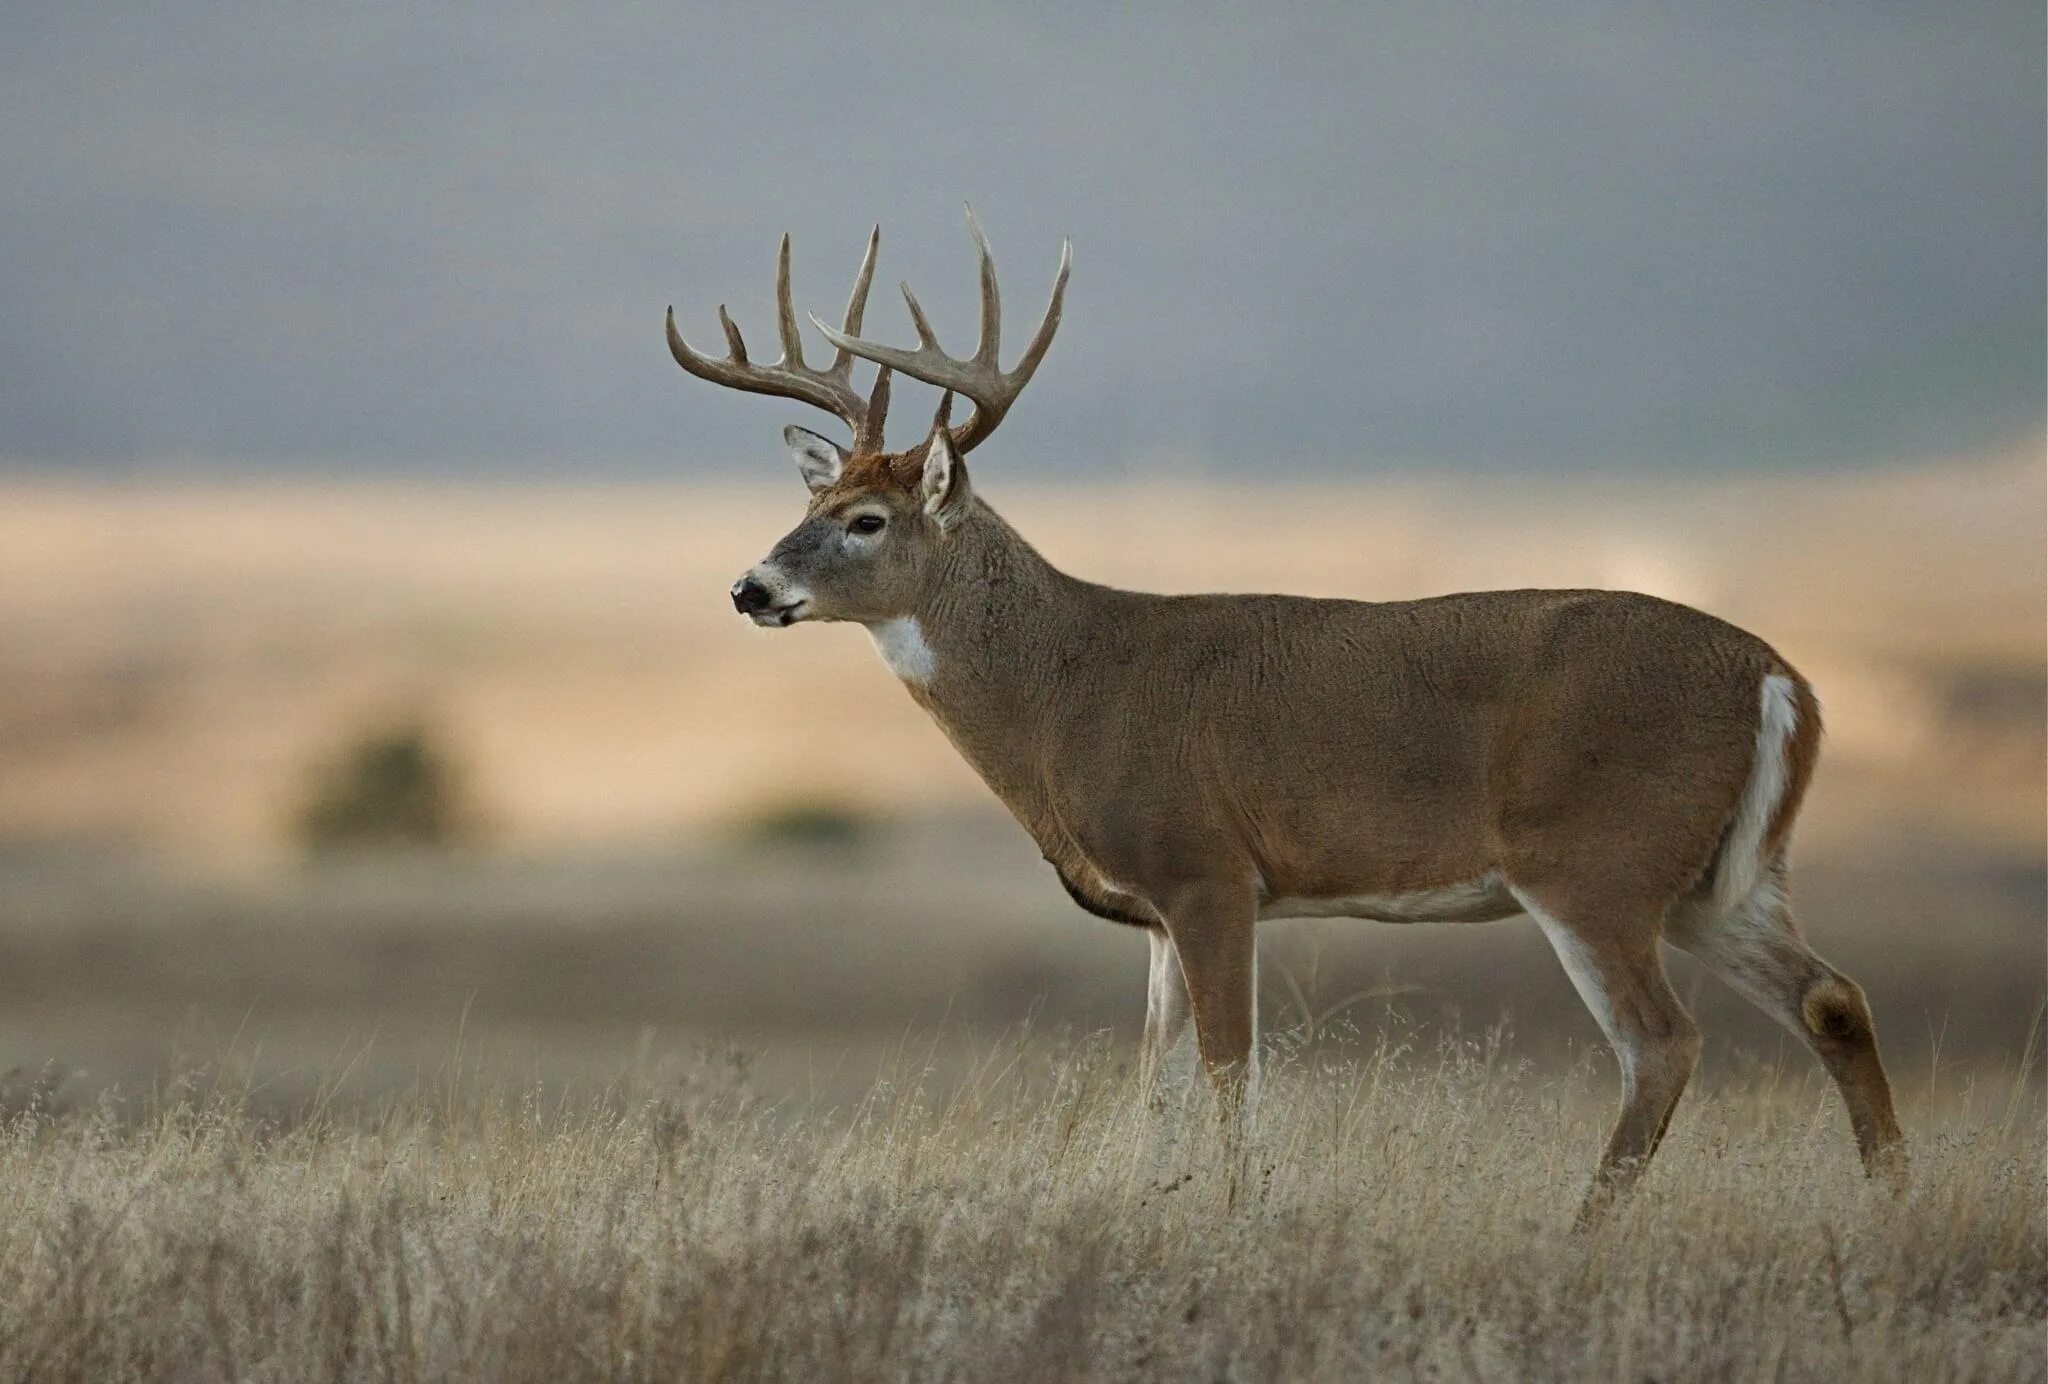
[{"x": 783, "y": 616}]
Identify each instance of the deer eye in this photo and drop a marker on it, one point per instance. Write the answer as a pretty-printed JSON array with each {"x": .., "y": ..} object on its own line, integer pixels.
[{"x": 867, "y": 523}]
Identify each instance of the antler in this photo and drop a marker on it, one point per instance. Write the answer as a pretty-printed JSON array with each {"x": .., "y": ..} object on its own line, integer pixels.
[
  {"x": 830, "y": 389},
  {"x": 980, "y": 377}
]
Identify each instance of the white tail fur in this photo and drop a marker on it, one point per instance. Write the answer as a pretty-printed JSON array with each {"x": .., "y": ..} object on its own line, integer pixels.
[{"x": 1742, "y": 862}]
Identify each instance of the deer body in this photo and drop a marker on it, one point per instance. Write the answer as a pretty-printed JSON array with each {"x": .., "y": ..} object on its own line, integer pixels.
[
  {"x": 1623, "y": 769},
  {"x": 1334, "y": 752}
]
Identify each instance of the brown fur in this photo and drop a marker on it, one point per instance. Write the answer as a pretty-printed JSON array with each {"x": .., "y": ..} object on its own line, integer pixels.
[
  {"x": 1332, "y": 747},
  {"x": 1834, "y": 1010}
]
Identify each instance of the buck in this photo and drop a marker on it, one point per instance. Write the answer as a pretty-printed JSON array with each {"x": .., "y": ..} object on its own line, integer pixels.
[{"x": 1624, "y": 770}]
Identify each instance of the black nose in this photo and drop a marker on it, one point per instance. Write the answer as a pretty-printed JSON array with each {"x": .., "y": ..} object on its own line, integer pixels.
[{"x": 749, "y": 596}]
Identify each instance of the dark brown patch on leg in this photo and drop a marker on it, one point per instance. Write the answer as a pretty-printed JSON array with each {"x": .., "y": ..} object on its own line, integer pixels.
[
  {"x": 1757, "y": 949},
  {"x": 1836, "y": 1011}
]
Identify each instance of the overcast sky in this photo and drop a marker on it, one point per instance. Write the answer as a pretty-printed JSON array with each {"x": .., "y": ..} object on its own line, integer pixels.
[{"x": 391, "y": 238}]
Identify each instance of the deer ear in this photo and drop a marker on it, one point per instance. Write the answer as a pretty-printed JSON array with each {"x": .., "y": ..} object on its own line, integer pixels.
[
  {"x": 819, "y": 460},
  {"x": 944, "y": 485}
]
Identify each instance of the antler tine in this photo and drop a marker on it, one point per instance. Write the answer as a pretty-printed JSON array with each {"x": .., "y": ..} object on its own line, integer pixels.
[
  {"x": 857, "y": 306},
  {"x": 868, "y": 437},
  {"x": 980, "y": 377},
  {"x": 1041, "y": 340},
  {"x": 785, "y": 311},
  {"x": 735, "y": 344},
  {"x": 790, "y": 378},
  {"x": 991, "y": 299},
  {"x": 925, "y": 337}
]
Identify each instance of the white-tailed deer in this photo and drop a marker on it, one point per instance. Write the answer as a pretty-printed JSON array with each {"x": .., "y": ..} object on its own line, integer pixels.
[{"x": 1623, "y": 769}]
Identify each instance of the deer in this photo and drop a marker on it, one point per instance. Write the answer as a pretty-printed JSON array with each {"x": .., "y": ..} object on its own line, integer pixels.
[{"x": 1622, "y": 769}]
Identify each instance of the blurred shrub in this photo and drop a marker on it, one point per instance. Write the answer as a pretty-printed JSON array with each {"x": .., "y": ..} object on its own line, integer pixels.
[
  {"x": 393, "y": 786},
  {"x": 810, "y": 824}
]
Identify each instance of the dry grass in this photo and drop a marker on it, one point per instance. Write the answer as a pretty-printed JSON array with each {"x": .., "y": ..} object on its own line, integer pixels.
[{"x": 1402, "y": 1215}]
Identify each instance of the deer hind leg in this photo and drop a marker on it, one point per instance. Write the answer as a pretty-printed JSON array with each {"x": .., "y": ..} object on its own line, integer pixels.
[
  {"x": 1165, "y": 1060},
  {"x": 1210, "y": 930},
  {"x": 1613, "y": 963},
  {"x": 1756, "y": 947}
]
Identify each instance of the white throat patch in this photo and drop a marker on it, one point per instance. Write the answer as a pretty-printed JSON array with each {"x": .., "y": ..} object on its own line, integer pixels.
[{"x": 901, "y": 644}]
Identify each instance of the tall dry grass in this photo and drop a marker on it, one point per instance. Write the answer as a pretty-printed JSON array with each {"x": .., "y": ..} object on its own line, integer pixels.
[{"x": 1401, "y": 1214}]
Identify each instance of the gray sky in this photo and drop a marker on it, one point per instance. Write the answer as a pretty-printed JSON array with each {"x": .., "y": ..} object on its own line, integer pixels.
[{"x": 390, "y": 238}]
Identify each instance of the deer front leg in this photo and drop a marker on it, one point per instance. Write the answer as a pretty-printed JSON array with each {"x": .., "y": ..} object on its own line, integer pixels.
[
  {"x": 1166, "y": 1022},
  {"x": 1210, "y": 926}
]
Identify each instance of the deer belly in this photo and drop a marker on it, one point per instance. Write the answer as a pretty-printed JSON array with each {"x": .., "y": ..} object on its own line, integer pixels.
[{"x": 1480, "y": 900}]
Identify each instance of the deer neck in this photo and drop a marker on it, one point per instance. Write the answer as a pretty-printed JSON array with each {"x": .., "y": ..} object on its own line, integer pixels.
[{"x": 995, "y": 635}]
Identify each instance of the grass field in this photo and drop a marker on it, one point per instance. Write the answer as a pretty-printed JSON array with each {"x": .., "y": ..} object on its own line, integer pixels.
[
  {"x": 459, "y": 1129},
  {"x": 1401, "y": 1214}
]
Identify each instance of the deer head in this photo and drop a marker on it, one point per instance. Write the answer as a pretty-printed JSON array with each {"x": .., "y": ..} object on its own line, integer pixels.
[{"x": 878, "y": 521}]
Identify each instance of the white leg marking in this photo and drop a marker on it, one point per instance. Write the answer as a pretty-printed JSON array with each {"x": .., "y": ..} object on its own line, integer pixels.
[
  {"x": 1169, "y": 1046},
  {"x": 1753, "y": 946},
  {"x": 1742, "y": 862},
  {"x": 902, "y": 646},
  {"x": 1253, "y": 1066},
  {"x": 1585, "y": 978}
]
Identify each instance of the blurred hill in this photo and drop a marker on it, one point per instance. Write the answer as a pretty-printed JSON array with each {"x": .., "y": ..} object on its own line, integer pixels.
[{"x": 174, "y": 660}]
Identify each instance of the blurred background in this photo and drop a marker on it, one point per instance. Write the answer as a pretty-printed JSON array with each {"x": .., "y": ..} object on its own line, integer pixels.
[{"x": 366, "y": 669}]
